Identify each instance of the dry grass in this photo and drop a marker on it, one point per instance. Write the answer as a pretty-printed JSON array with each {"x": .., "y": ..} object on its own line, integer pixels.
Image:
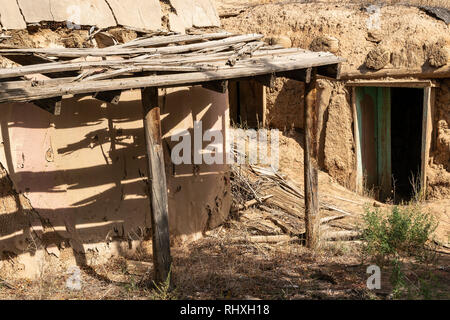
[
  {"x": 217, "y": 268},
  {"x": 212, "y": 269}
]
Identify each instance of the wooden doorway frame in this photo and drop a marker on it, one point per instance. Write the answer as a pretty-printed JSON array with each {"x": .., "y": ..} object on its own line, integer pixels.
[
  {"x": 427, "y": 122},
  {"x": 247, "y": 98}
]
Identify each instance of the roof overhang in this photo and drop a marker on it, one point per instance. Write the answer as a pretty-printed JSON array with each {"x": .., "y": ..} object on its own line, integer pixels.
[{"x": 162, "y": 61}]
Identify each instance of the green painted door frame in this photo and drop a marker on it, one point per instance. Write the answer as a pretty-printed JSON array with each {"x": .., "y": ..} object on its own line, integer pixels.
[
  {"x": 373, "y": 109},
  {"x": 372, "y": 132}
]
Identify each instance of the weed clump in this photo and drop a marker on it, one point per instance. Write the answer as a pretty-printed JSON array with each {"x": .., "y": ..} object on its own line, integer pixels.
[
  {"x": 404, "y": 232},
  {"x": 391, "y": 238}
]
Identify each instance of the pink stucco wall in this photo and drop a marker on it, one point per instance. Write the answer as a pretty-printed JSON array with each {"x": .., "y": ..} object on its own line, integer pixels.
[{"x": 84, "y": 172}]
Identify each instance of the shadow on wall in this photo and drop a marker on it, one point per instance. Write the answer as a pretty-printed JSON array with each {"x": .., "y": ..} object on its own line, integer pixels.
[{"x": 80, "y": 180}]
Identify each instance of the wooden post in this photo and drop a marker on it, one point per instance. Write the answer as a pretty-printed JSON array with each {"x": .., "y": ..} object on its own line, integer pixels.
[
  {"x": 427, "y": 128},
  {"x": 356, "y": 133},
  {"x": 157, "y": 185},
  {"x": 310, "y": 171}
]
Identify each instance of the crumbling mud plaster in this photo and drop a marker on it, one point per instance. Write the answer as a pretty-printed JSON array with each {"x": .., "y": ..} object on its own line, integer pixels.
[
  {"x": 80, "y": 180},
  {"x": 333, "y": 123},
  {"x": 338, "y": 147},
  {"x": 408, "y": 33},
  {"x": 439, "y": 164},
  {"x": 284, "y": 108}
]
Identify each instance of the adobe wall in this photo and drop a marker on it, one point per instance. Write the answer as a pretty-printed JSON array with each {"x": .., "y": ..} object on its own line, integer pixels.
[
  {"x": 284, "y": 106},
  {"x": 199, "y": 194},
  {"x": 79, "y": 180},
  {"x": 439, "y": 166},
  {"x": 333, "y": 122},
  {"x": 74, "y": 186}
]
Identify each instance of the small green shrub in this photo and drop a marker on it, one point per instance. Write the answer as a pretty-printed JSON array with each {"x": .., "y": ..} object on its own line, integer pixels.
[
  {"x": 164, "y": 290},
  {"x": 398, "y": 279},
  {"x": 404, "y": 232},
  {"x": 389, "y": 238}
]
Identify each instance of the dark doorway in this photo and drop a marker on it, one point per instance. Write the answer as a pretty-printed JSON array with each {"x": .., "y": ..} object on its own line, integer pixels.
[
  {"x": 390, "y": 121},
  {"x": 406, "y": 133},
  {"x": 247, "y": 100}
]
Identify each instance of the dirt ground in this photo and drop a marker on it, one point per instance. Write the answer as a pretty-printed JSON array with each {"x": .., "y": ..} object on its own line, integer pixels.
[{"x": 214, "y": 268}]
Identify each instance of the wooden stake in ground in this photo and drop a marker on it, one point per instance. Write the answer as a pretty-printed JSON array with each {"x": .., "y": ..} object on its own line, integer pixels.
[
  {"x": 312, "y": 220},
  {"x": 157, "y": 185}
]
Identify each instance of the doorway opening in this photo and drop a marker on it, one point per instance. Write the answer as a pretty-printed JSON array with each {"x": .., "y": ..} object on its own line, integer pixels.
[
  {"x": 391, "y": 140},
  {"x": 247, "y": 100},
  {"x": 406, "y": 130}
]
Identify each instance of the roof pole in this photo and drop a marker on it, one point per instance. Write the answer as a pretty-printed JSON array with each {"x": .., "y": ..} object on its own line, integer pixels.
[
  {"x": 157, "y": 185},
  {"x": 310, "y": 171}
]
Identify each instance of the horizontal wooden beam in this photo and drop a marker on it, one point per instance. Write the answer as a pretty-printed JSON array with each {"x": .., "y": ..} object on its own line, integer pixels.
[
  {"x": 217, "y": 86},
  {"x": 303, "y": 75},
  {"x": 420, "y": 73},
  {"x": 172, "y": 80},
  {"x": 332, "y": 71},
  {"x": 268, "y": 80},
  {"x": 392, "y": 83},
  {"x": 26, "y": 60},
  {"x": 112, "y": 97},
  {"x": 52, "y": 105},
  {"x": 35, "y": 61},
  {"x": 167, "y": 40}
]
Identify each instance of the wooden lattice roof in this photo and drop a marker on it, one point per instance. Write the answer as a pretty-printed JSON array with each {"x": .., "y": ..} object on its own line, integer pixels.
[{"x": 154, "y": 61}]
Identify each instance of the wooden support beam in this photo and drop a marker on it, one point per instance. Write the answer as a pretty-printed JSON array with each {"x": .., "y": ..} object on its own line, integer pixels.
[
  {"x": 162, "y": 259},
  {"x": 26, "y": 60},
  {"x": 112, "y": 97},
  {"x": 332, "y": 71},
  {"x": 36, "y": 60},
  {"x": 419, "y": 72},
  {"x": 217, "y": 86},
  {"x": 393, "y": 83},
  {"x": 312, "y": 219},
  {"x": 172, "y": 80},
  {"x": 52, "y": 105},
  {"x": 267, "y": 80},
  {"x": 303, "y": 75}
]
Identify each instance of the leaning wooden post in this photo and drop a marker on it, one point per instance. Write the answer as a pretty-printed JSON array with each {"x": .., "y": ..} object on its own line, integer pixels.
[
  {"x": 310, "y": 171},
  {"x": 157, "y": 185}
]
